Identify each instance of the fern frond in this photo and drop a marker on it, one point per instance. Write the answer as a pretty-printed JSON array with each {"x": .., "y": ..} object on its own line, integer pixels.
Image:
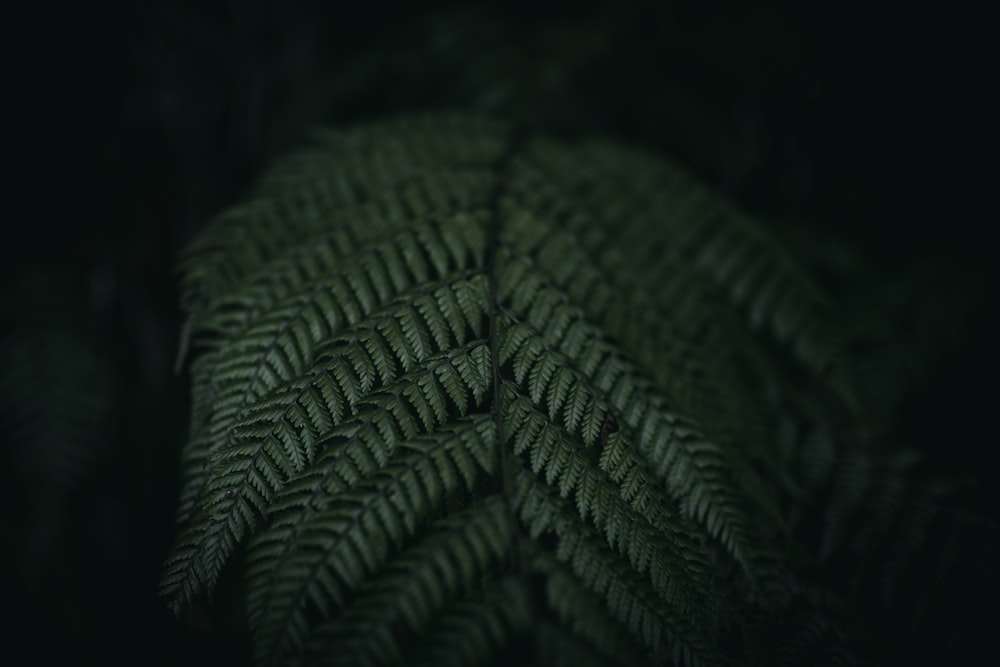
[
  {"x": 351, "y": 539},
  {"x": 660, "y": 619},
  {"x": 664, "y": 313},
  {"x": 615, "y": 495},
  {"x": 588, "y": 620},
  {"x": 663, "y": 218},
  {"x": 551, "y": 348},
  {"x": 441, "y": 363},
  {"x": 416, "y": 585},
  {"x": 370, "y": 296},
  {"x": 472, "y": 630},
  {"x": 345, "y": 169},
  {"x": 287, "y": 429}
]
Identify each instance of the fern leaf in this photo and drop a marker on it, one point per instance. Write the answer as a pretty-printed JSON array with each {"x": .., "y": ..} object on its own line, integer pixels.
[
  {"x": 589, "y": 620},
  {"x": 663, "y": 213},
  {"x": 472, "y": 630},
  {"x": 416, "y": 585},
  {"x": 440, "y": 362},
  {"x": 663, "y": 626},
  {"x": 603, "y": 371},
  {"x": 351, "y": 539}
]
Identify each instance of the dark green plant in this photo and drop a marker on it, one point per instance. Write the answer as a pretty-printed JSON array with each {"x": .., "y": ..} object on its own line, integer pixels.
[{"x": 467, "y": 395}]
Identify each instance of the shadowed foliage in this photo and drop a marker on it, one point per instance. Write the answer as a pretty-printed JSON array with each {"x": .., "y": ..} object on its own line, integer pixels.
[{"x": 449, "y": 375}]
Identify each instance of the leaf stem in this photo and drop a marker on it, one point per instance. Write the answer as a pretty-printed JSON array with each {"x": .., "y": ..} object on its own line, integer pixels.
[{"x": 500, "y": 167}]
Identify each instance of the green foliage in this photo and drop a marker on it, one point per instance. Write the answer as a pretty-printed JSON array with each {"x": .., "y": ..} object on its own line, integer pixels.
[{"x": 463, "y": 392}]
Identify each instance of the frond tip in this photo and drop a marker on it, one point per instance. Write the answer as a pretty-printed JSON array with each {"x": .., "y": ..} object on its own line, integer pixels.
[{"x": 439, "y": 362}]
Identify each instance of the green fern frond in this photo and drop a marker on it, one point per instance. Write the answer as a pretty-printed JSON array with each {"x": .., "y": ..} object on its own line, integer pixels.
[
  {"x": 617, "y": 497},
  {"x": 660, "y": 619},
  {"x": 474, "y": 629},
  {"x": 344, "y": 544},
  {"x": 418, "y": 584},
  {"x": 587, "y": 630},
  {"x": 663, "y": 220},
  {"x": 441, "y": 364},
  {"x": 551, "y": 348}
]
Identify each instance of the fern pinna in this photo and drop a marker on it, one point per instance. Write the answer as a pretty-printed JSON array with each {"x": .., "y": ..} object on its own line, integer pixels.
[{"x": 463, "y": 393}]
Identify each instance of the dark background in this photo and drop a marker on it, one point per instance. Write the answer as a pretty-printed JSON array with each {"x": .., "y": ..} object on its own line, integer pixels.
[{"x": 865, "y": 127}]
